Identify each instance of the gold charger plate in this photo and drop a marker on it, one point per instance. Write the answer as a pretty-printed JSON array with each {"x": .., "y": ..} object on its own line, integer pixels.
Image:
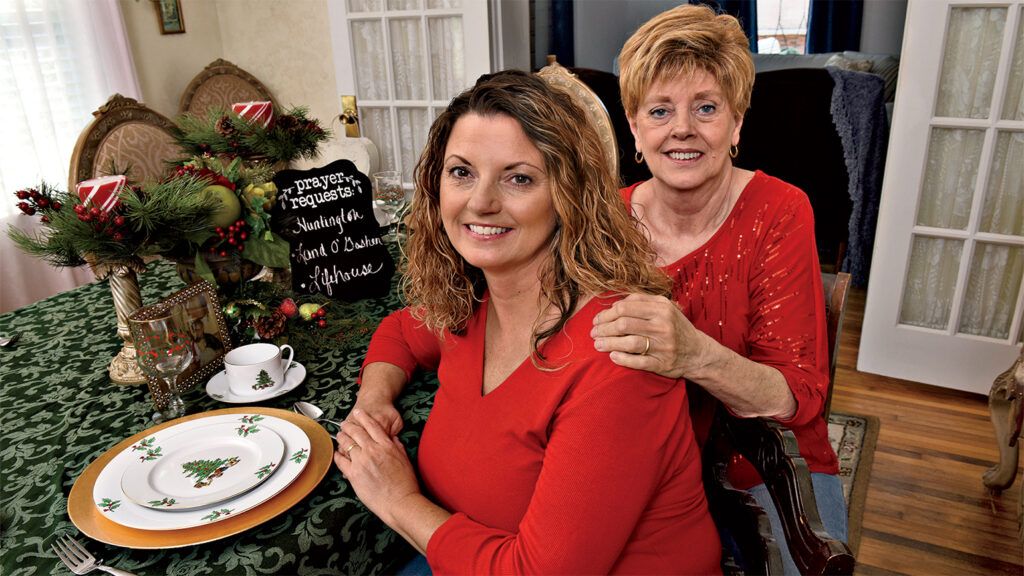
[{"x": 92, "y": 523}]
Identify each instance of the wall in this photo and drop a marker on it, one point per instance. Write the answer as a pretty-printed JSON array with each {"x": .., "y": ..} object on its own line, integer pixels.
[
  {"x": 512, "y": 31},
  {"x": 882, "y": 26},
  {"x": 286, "y": 44},
  {"x": 166, "y": 63},
  {"x": 603, "y": 26}
]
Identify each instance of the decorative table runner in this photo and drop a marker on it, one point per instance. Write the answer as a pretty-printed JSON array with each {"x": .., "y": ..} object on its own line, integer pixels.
[{"x": 59, "y": 411}]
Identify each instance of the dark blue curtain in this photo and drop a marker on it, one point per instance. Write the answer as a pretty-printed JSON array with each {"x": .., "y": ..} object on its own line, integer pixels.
[
  {"x": 744, "y": 10},
  {"x": 562, "y": 42},
  {"x": 834, "y": 25}
]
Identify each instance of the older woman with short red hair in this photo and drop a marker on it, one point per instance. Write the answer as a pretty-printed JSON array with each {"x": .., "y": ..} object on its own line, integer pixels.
[{"x": 745, "y": 325}]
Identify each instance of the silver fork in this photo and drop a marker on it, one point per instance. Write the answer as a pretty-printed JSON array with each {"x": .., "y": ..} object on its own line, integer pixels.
[{"x": 79, "y": 560}]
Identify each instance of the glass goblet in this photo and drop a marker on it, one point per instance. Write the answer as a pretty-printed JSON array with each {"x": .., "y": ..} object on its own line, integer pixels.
[
  {"x": 164, "y": 349},
  {"x": 389, "y": 197}
]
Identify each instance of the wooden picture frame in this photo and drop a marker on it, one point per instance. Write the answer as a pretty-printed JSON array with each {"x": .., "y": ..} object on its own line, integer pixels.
[
  {"x": 209, "y": 331},
  {"x": 171, "y": 19}
]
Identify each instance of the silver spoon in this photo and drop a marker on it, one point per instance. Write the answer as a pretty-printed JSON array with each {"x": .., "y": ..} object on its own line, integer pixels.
[
  {"x": 6, "y": 341},
  {"x": 312, "y": 411}
]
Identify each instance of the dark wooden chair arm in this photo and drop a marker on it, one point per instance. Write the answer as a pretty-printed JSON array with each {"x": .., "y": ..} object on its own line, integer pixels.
[
  {"x": 748, "y": 526},
  {"x": 773, "y": 451}
]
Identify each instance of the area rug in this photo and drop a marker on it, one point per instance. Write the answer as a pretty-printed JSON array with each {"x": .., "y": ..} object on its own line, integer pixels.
[{"x": 854, "y": 438}]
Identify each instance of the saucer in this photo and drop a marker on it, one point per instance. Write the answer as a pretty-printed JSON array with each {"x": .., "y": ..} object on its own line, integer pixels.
[{"x": 218, "y": 389}]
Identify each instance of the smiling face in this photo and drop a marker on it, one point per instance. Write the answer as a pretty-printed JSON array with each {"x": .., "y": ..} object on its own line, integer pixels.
[
  {"x": 496, "y": 201},
  {"x": 684, "y": 128}
]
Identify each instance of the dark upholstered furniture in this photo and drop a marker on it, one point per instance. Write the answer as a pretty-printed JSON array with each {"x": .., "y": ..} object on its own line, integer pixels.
[{"x": 788, "y": 133}]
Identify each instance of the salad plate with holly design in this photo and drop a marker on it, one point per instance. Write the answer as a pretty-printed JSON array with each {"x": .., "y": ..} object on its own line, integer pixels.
[
  {"x": 182, "y": 445},
  {"x": 195, "y": 464}
]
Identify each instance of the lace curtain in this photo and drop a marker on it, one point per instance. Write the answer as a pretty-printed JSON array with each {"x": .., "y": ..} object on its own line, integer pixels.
[
  {"x": 968, "y": 90},
  {"x": 425, "y": 59},
  {"x": 59, "y": 61}
]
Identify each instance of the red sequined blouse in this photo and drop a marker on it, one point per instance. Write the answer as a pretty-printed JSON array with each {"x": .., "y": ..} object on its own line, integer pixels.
[{"x": 755, "y": 287}]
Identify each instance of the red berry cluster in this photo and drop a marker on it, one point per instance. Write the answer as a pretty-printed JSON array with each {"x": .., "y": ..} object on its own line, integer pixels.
[
  {"x": 33, "y": 201},
  {"x": 230, "y": 239},
  {"x": 320, "y": 316},
  {"x": 111, "y": 223}
]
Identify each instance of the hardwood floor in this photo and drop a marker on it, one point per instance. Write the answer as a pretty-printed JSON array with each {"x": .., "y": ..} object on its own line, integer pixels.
[{"x": 927, "y": 511}]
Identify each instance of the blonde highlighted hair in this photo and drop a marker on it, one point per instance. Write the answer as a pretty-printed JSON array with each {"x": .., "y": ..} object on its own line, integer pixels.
[
  {"x": 596, "y": 246},
  {"x": 681, "y": 41}
]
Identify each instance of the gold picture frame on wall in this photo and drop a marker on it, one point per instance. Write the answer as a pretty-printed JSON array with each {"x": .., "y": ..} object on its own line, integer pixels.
[{"x": 171, "y": 20}]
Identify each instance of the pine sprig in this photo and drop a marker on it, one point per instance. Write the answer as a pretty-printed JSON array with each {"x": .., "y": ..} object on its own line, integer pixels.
[
  {"x": 156, "y": 220},
  {"x": 291, "y": 135},
  {"x": 165, "y": 214}
]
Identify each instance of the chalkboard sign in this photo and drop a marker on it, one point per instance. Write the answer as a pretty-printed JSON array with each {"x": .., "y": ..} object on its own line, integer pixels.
[{"x": 326, "y": 214}]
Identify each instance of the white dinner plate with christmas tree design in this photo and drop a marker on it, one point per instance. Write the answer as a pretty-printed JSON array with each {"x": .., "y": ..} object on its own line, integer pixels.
[
  {"x": 217, "y": 388},
  {"x": 201, "y": 464},
  {"x": 112, "y": 502}
]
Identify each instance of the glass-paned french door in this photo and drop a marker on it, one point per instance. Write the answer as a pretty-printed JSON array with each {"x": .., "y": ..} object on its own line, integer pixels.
[{"x": 946, "y": 297}]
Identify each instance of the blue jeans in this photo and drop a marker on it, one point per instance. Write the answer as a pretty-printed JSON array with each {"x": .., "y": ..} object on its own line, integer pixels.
[
  {"x": 416, "y": 567},
  {"x": 828, "y": 493}
]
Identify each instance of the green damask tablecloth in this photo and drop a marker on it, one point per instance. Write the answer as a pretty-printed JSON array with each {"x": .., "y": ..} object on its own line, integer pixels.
[{"x": 59, "y": 411}]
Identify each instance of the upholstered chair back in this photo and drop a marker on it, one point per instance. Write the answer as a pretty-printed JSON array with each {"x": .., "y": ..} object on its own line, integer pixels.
[
  {"x": 125, "y": 137},
  {"x": 220, "y": 85}
]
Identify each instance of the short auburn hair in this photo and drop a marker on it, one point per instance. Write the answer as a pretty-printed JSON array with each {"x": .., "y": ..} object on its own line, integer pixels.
[{"x": 680, "y": 42}]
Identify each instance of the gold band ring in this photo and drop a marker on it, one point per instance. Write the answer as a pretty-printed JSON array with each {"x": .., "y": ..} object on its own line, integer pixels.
[
  {"x": 647, "y": 348},
  {"x": 349, "y": 449}
]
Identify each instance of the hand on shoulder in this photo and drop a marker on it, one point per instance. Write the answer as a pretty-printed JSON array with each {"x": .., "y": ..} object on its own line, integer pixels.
[{"x": 647, "y": 332}]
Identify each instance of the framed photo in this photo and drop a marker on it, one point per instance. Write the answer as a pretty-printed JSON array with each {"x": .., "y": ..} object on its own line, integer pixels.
[
  {"x": 208, "y": 331},
  {"x": 171, "y": 21}
]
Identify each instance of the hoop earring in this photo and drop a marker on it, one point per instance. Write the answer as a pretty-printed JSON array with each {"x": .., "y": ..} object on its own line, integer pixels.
[
  {"x": 638, "y": 157},
  {"x": 734, "y": 151}
]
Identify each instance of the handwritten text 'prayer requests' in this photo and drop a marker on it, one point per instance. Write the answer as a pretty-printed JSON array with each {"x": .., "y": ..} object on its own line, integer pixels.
[{"x": 336, "y": 246}]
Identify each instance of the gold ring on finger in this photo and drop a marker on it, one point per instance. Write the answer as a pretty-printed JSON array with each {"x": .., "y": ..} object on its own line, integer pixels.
[
  {"x": 647, "y": 347},
  {"x": 349, "y": 449}
]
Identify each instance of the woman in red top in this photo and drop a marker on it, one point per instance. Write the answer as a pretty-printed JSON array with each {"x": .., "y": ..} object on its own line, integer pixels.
[
  {"x": 746, "y": 321},
  {"x": 540, "y": 455}
]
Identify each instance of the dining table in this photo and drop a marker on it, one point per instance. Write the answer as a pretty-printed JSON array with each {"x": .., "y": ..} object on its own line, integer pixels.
[{"x": 60, "y": 413}]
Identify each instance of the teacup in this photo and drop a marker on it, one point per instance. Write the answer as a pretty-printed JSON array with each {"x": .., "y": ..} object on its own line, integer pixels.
[{"x": 256, "y": 369}]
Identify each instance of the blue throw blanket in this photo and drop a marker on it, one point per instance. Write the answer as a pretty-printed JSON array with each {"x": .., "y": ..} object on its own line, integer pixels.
[{"x": 858, "y": 112}]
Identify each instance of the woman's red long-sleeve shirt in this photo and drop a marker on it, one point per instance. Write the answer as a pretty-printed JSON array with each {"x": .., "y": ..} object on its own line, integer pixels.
[
  {"x": 755, "y": 287},
  {"x": 589, "y": 468}
]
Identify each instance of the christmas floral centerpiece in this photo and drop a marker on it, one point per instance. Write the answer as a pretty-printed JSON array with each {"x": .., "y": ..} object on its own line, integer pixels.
[
  {"x": 215, "y": 206},
  {"x": 238, "y": 152},
  {"x": 265, "y": 311},
  {"x": 107, "y": 222},
  {"x": 239, "y": 227}
]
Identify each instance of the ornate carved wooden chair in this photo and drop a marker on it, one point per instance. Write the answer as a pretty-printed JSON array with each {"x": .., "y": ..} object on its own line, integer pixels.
[
  {"x": 125, "y": 137},
  {"x": 220, "y": 85},
  {"x": 560, "y": 76},
  {"x": 773, "y": 451},
  {"x": 1006, "y": 410}
]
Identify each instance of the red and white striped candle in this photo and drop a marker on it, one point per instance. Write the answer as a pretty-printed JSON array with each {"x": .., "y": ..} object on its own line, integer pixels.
[
  {"x": 101, "y": 192},
  {"x": 255, "y": 112}
]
